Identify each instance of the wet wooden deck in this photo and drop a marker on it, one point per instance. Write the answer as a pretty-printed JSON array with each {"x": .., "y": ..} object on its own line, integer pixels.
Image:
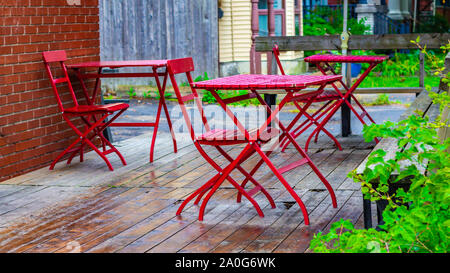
[{"x": 85, "y": 207}]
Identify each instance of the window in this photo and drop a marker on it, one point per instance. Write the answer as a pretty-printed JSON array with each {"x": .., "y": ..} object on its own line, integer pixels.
[
  {"x": 279, "y": 11},
  {"x": 298, "y": 27}
]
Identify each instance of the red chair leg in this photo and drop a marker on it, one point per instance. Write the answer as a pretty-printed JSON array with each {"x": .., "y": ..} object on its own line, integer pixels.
[
  {"x": 320, "y": 126},
  {"x": 52, "y": 166},
  {"x": 220, "y": 170},
  {"x": 311, "y": 119},
  {"x": 113, "y": 148},
  {"x": 99, "y": 153},
  {"x": 81, "y": 136},
  {"x": 284, "y": 182},
  {"x": 205, "y": 186},
  {"x": 169, "y": 122},
  {"x": 95, "y": 127},
  {"x": 200, "y": 195},
  {"x": 225, "y": 175},
  {"x": 317, "y": 171},
  {"x": 155, "y": 131},
  {"x": 161, "y": 104},
  {"x": 336, "y": 142},
  {"x": 249, "y": 177},
  {"x": 99, "y": 132}
]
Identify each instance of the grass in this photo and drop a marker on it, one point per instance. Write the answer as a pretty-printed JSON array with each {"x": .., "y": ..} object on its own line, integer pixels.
[
  {"x": 370, "y": 81},
  {"x": 382, "y": 99},
  {"x": 374, "y": 81}
]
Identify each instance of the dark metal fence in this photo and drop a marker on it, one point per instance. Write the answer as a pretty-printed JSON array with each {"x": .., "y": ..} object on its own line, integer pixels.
[
  {"x": 323, "y": 9},
  {"x": 385, "y": 25}
]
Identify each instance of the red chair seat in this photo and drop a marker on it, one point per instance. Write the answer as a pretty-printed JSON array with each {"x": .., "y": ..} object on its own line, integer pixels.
[
  {"x": 325, "y": 96},
  {"x": 86, "y": 109},
  {"x": 236, "y": 135}
]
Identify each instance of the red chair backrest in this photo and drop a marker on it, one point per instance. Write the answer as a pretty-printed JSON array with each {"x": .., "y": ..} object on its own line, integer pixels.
[
  {"x": 54, "y": 56},
  {"x": 58, "y": 56},
  {"x": 276, "y": 53},
  {"x": 186, "y": 65},
  {"x": 182, "y": 65}
]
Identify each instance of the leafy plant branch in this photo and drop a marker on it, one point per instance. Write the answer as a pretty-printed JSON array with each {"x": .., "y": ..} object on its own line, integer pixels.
[{"x": 416, "y": 219}]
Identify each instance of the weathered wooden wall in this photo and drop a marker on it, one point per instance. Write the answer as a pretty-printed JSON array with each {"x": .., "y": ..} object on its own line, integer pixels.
[{"x": 160, "y": 29}]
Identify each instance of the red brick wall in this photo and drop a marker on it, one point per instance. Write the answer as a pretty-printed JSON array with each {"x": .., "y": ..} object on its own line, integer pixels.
[{"x": 32, "y": 132}]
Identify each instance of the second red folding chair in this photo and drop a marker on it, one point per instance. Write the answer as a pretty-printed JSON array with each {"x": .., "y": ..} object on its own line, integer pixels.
[
  {"x": 94, "y": 117},
  {"x": 328, "y": 97}
]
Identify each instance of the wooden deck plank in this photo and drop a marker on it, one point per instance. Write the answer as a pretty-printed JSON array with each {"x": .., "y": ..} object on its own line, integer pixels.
[
  {"x": 283, "y": 226},
  {"x": 298, "y": 240},
  {"x": 270, "y": 240},
  {"x": 44, "y": 199},
  {"x": 216, "y": 234},
  {"x": 156, "y": 213},
  {"x": 84, "y": 225},
  {"x": 80, "y": 174},
  {"x": 134, "y": 232},
  {"x": 6, "y": 190},
  {"x": 172, "y": 226},
  {"x": 43, "y": 232},
  {"x": 241, "y": 238},
  {"x": 335, "y": 158},
  {"x": 89, "y": 232},
  {"x": 69, "y": 210},
  {"x": 197, "y": 229},
  {"x": 38, "y": 175},
  {"x": 31, "y": 225},
  {"x": 17, "y": 197},
  {"x": 344, "y": 168},
  {"x": 352, "y": 210}
]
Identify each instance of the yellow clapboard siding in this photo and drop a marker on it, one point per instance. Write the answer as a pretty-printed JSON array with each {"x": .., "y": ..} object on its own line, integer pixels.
[{"x": 235, "y": 30}]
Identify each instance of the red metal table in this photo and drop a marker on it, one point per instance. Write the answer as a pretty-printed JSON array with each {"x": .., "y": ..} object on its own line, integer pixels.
[
  {"x": 293, "y": 85},
  {"x": 323, "y": 63},
  {"x": 158, "y": 69}
]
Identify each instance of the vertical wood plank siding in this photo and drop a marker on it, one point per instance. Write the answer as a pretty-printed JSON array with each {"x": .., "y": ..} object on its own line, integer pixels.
[{"x": 160, "y": 29}]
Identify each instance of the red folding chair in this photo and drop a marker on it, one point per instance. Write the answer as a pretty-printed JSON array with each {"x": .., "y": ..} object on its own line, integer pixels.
[
  {"x": 327, "y": 96},
  {"x": 97, "y": 113},
  {"x": 323, "y": 63},
  {"x": 252, "y": 139},
  {"x": 217, "y": 138}
]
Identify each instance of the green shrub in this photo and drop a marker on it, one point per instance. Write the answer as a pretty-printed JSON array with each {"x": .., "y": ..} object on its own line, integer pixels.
[
  {"x": 417, "y": 220},
  {"x": 327, "y": 21},
  {"x": 434, "y": 24},
  {"x": 131, "y": 93}
]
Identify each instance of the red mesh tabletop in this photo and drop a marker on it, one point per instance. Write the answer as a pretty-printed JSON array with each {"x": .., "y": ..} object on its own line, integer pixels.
[
  {"x": 345, "y": 59},
  {"x": 114, "y": 64},
  {"x": 258, "y": 81}
]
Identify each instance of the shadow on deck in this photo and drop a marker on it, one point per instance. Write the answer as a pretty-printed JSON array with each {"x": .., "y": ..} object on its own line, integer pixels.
[{"x": 85, "y": 207}]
